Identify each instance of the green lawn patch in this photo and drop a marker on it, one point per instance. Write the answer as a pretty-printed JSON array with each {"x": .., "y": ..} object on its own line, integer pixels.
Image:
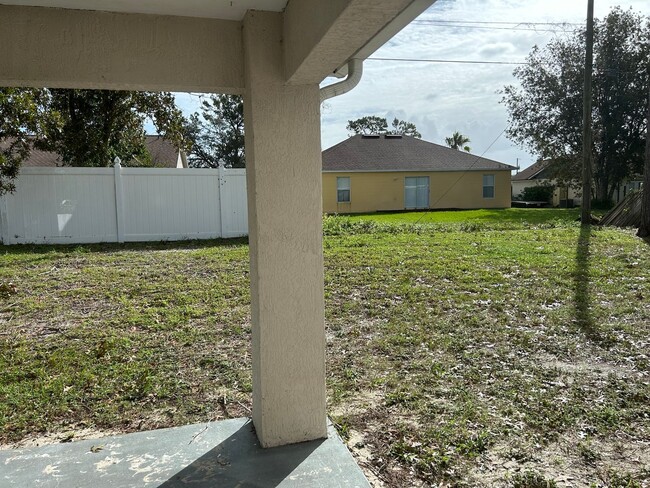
[
  {"x": 491, "y": 216},
  {"x": 465, "y": 355}
]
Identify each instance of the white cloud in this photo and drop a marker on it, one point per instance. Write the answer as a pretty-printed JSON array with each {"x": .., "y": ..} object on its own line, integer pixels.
[{"x": 496, "y": 49}]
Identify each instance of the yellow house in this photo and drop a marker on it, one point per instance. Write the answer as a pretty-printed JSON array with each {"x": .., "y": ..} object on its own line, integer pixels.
[
  {"x": 370, "y": 173},
  {"x": 539, "y": 174}
]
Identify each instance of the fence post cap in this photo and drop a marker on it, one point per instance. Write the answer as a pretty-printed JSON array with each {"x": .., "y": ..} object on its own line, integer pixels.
[{"x": 117, "y": 161}]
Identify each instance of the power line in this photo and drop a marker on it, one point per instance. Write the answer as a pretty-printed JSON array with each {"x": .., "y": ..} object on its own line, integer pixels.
[
  {"x": 607, "y": 71},
  {"x": 485, "y": 22},
  {"x": 462, "y": 175},
  {"x": 455, "y": 61},
  {"x": 475, "y": 27}
]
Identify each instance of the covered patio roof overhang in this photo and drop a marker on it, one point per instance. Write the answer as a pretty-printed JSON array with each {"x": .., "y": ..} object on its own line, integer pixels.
[
  {"x": 190, "y": 45},
  {"x": 275, "y": 53}
]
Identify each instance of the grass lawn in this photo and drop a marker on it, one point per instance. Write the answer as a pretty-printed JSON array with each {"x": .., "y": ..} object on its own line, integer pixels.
[
  {"x": 457, "y": 355},
  {"x": 491, "y": 216}
]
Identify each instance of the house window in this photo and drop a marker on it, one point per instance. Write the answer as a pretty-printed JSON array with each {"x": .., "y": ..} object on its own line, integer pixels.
[
  {"x": 343, "y": 189},
  {"x": 488, "y": 186},
  {"x": 416, "y": 192}
]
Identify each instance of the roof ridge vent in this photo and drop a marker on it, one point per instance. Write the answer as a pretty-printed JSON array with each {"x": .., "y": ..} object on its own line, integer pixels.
[
  {"x": 392, "y": 136},
  {"x": 370, "y": 136}
]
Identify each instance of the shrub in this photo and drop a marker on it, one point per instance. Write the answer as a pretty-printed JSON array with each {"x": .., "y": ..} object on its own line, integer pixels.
[{"x": 539, "y": 193}]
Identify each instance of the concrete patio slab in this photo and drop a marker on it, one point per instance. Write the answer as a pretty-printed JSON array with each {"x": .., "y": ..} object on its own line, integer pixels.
[{"x": 222, "y": 454}]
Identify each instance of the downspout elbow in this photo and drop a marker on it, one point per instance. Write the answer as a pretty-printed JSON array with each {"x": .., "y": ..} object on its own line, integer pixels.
[{"x": 355, "y": 71}]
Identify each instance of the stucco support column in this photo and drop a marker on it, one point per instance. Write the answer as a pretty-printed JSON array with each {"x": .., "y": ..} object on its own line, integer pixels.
[{"x": 283, "y": 166}]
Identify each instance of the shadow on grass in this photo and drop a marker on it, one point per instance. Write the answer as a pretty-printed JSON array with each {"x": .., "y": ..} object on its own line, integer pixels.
[
  {"x": 582, "y": 297},
  {"x": 110, "y": 247}
]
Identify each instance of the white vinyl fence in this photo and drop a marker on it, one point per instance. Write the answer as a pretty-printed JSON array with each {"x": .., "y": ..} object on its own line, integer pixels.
[{"x": 84, "y": 205}]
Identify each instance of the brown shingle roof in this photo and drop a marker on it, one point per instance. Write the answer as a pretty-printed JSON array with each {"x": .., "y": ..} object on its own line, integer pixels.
[
  {"x": 38, "y": 157},
  {"x": 401, "y": 153},
  {"x": 532, "y": 172},
  {"x": 163, "y": 154}
]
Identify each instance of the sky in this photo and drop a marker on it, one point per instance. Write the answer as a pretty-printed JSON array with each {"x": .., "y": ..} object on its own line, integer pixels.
[{"x": 441, "y": 98}]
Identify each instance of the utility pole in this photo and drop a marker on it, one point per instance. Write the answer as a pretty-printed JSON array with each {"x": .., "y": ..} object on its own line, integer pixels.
[
  {"x": 587, "y": 136},
  {"x": 644, "y": 228}
]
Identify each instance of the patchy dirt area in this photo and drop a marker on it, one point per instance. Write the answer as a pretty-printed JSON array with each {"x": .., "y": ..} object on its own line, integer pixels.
[
  {"x": 71, "y": 435},
  {"x": 571, "y": 462}
]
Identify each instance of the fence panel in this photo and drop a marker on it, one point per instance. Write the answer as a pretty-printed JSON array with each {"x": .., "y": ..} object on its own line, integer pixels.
[
  {"x": 171, "y": 204},
  {"x": 84, "y": 205},
  {"x": 234, "y": 206},
  {"x": 60, "y": 206}
]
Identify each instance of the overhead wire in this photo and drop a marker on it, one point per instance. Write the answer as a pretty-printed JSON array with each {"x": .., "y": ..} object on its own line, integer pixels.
[
  {"x": 462, "y": 175},
  {"x": 461, "y": 26},
  {"x": 451, "y": 21},
  {"x": 608, "y": 71},
  {"x": 515, "y": 26},
  {"x": 563, "y": 27},
  {"x": 454, "y": 61}
]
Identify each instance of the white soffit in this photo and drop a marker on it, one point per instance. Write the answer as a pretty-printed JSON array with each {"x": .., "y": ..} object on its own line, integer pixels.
[{"x": 214, "y": 9}]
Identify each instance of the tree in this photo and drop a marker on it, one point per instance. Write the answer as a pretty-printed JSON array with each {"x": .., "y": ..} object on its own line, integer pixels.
[
  {"x": 458, "y": 141},
  {"x": 85, "y": 127},
  {"x": 545, "y": 113},
  {"x": 93, "y": 127},
  {"x": 19, "y": 117},
  {"x": 372, "y": 124},
  {"x": 404, "y": 128},
  {"x": 218, "y": 134}
]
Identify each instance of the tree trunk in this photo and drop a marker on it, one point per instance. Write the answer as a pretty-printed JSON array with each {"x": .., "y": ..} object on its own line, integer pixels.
[
  {"x": 644, "y": 228},
  {"x": 610, "y": 192},
  {"x": 109, "y": 107},
  {"x": 601, "y": 189},
  {"x": 601, "y": 186}
]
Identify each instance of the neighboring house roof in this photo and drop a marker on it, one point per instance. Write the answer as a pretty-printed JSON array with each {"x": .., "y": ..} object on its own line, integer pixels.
[
  {"x": 533, "y": 172},
  {"x": 401, "y": 153},
  {"x": 163, "y": 154},
  {"x": 38, "y": 157}
]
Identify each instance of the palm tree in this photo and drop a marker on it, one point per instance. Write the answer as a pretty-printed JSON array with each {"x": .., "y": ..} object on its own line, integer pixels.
[{"x": 458, "y": 141}]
